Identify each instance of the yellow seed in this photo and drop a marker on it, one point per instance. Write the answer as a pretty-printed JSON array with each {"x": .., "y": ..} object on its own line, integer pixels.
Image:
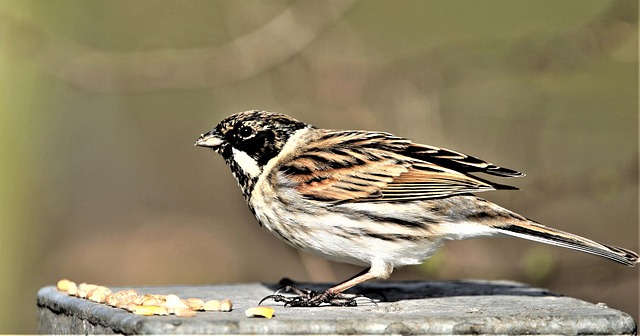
[
  {"x": 212, "y": 305},
  {"x": 149, "y": 310},
  {"x": 195, "y": 303},
  {"x": 260, "y": 311},
  {"x": 226, "y": 305},
  {"x": 63, "y": 285},
  {"x": 184, "y": 312}
]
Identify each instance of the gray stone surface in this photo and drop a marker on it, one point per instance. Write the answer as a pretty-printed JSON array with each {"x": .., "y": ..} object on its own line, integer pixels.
[{"x": 454, "y": 307}]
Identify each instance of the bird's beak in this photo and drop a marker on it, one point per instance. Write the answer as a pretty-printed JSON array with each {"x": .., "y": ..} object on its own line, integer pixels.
[{"x": 210, "y": 139}]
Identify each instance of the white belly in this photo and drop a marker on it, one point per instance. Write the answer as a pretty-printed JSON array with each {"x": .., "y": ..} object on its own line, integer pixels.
[{"x": 320, "y": 230}]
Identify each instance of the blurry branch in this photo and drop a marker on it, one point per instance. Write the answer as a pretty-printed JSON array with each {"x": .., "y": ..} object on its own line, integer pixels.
[{"x": 97, "y": 70}]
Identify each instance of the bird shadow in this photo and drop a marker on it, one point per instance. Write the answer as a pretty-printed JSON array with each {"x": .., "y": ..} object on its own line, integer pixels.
[{"x": 412, "y": 290}]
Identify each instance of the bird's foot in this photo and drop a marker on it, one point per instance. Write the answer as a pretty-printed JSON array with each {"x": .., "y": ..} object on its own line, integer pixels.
[{"x": 311, "y": 298}]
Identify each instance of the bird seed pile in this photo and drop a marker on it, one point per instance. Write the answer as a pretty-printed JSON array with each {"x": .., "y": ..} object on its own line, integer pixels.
[{"x": 153, "y": 304}]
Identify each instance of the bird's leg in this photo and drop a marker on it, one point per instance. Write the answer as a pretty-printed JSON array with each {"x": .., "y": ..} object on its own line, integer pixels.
[{"x": 333, "y": 296}]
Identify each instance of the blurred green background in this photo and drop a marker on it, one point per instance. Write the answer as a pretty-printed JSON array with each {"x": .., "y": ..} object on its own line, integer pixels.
[{"x": 101, "y": 101}]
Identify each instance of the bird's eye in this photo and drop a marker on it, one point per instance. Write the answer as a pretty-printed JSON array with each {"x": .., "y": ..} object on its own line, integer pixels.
[{"x": 245, "y": 131}]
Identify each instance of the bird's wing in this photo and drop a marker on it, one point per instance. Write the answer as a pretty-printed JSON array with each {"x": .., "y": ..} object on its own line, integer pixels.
[
  {"x": 356, "y": 166},
  {"x": 457, "y": 161}
]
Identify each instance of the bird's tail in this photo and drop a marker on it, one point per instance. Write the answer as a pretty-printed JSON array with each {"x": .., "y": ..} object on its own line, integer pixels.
[{"x": 540, "y": 233}]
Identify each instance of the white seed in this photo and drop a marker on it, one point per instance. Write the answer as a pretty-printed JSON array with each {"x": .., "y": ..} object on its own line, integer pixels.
[
  {"x": 172, "y": 300},
  {"x": 104, "y": 289},
  {"x": 138, "y": 299},
  {"x": 73, "y": 289},
  {"x": 97, "y": 295},
  {"x": 226, "y": 305},
  {"x": 112, "y": 300},
  {"x": 212, "y": 305},
  {"x": 151, "y": 301},
  {"x": 174, "y": 303},
  {"x": 184, "y": 312},
  {"x": 124, "y": 303},
  {"x": 195, "y": 303},
  {"x": 84, "y": 288}
]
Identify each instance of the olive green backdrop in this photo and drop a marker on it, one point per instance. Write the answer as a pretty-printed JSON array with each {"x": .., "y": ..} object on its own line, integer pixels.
[{"x": 101, "y": 101}]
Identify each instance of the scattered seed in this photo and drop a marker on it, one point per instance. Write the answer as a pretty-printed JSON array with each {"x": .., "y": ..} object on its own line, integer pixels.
[
  {"x": 111, "y": 300},
  {"x": 147, "y": 304},
  {"x": 64, "y": 284},
  {"x": 226, "y": 305},
  {"x": 97, "y": 296},
  {"x": 84, "y": 289},
  {"x": 104, "y": 289},
  {"x": 195, "y": 303},
  {"x": 138, "y": 300},
  {"x": 184, "y": 312},
  {"x": 172, "y": 300},
  {"x": 174, "y": 303},
  {"x": 124, "y": 304},
  {"x": 260, "y": 311},
  {"x": 73, "y": 289},
  {"x": 212, "y": 305},
  {"x": 150, "y": 300},
  {"x": 149, "y": 310}
]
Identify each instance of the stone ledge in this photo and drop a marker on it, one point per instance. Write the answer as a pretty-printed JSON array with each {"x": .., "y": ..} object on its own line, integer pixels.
[{"x": 450, "y": 307}]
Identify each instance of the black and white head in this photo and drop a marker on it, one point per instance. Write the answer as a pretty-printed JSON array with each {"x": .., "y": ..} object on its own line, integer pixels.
[{"x": 248, "y": 140}]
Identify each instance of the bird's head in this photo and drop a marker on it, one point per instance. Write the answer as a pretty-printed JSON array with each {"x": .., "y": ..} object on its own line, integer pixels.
[{"x": 248, "y": 140}]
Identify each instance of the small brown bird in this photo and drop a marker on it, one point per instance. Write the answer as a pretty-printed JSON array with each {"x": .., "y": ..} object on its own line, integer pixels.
[{"x": 368, "y": 198}]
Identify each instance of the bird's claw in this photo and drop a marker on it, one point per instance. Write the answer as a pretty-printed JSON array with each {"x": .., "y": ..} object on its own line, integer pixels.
[{"x": 310, "y": 298}]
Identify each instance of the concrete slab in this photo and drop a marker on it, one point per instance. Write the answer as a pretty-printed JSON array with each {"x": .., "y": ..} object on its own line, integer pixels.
[{"x": 451, "y": 307}]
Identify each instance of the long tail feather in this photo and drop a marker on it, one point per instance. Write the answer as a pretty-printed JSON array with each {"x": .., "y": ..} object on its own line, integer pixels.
[{"x": 540, "y": 233}]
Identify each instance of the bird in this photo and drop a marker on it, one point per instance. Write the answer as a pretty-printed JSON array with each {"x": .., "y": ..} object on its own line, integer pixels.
[{"x": 368, "y": 198}]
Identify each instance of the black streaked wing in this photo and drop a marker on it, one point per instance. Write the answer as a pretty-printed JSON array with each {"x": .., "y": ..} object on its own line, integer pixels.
[
  {"x": 343, "y": 166},
  {"x": 457, "y": 161}
]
